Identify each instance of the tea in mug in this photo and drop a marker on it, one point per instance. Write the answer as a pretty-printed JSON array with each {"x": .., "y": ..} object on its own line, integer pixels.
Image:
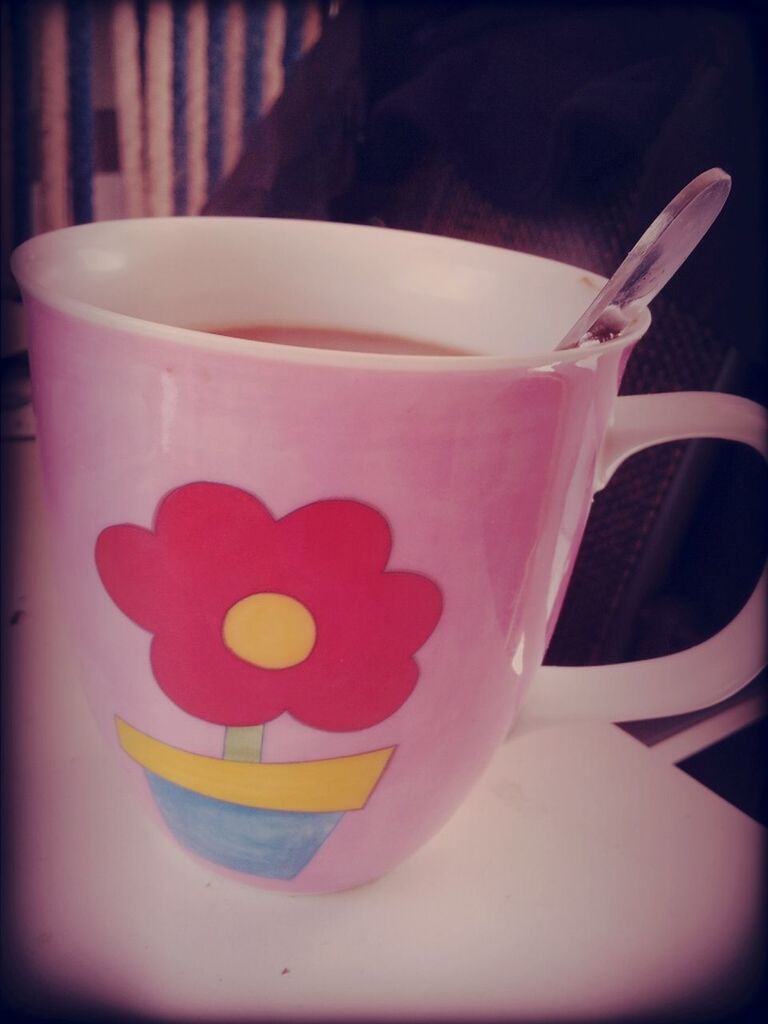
[{"x": 336, "y": 339}]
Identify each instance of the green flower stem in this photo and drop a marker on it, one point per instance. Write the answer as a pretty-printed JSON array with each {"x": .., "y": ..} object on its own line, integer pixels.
[{"x": 243, "y": 743}]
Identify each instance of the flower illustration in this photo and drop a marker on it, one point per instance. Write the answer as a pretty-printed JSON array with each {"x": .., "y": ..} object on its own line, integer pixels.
[{"x": 252, "y": 617}]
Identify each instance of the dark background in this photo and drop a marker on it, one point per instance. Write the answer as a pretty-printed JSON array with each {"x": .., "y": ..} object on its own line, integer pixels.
[{"x": 563, "y": 130}]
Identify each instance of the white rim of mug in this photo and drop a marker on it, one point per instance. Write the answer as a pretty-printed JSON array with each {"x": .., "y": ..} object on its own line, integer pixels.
[{"x": 23, "y": 267}]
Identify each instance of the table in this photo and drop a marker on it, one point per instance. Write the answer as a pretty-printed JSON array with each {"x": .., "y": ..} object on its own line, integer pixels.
[{"x": 585, "y": 878}]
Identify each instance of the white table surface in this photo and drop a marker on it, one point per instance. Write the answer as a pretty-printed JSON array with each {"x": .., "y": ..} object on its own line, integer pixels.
[{"x": 584, "y": 877}]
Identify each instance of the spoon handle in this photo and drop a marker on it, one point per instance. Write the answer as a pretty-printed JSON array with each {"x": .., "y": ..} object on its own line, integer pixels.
[{"x": 662, "y": 249}]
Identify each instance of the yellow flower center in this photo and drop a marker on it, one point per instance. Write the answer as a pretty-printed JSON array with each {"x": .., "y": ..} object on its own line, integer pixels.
[{"x": 270, "y": 630}]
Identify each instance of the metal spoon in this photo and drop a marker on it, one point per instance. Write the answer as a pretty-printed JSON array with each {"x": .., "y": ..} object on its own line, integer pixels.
[{"x": 659, "y": 253}]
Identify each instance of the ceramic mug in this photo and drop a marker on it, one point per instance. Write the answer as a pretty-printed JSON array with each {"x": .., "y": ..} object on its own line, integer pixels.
[{"x": 313, "y": 589}]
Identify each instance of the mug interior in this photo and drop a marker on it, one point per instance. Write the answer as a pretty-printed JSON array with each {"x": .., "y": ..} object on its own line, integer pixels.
[{"x": 210, "y": 272}]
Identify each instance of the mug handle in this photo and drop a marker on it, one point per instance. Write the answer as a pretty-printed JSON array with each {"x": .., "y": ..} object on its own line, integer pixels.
[{"x": 699, "y": 676}]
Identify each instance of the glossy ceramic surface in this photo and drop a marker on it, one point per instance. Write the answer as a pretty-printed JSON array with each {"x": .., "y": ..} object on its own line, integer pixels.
[{"x": 310, "y": 588}]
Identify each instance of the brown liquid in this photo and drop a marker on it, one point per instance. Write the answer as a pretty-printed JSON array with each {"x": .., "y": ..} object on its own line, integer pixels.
[{"x": 336, "y": 338}]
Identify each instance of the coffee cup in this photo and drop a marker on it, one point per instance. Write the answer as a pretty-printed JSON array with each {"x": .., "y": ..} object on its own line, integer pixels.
[{"x": 316, "y": 492}]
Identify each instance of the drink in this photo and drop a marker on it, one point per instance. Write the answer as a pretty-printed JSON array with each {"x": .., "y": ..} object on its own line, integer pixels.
[{"x": 337, "y": 338}]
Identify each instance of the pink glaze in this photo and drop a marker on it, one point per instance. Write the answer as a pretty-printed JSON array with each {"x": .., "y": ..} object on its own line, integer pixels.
[{"x": 485, "y": 476}]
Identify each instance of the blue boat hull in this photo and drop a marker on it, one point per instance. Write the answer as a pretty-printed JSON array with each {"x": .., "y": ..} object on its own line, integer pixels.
[{"x": 255, "y": 841}]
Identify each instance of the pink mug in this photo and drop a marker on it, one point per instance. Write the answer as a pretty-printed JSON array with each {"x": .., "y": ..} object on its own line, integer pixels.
[{"x": 312, "y": 589}]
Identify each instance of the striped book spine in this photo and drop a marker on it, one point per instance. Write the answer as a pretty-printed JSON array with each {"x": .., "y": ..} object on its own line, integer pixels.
[
  {"x": 157, "y": 96},
  {"x": 81, "y": 110}
]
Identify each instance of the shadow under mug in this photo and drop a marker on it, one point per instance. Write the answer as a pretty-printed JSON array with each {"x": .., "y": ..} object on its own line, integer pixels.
[{"x": 312, "y": 590}]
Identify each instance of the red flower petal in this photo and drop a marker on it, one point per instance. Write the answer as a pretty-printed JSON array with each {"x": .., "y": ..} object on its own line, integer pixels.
[
  {"x": 338, "y": 536},
  {"x": 132, "y": 573}
]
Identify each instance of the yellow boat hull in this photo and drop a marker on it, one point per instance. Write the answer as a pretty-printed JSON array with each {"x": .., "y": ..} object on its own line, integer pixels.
[{"x": 329, "y": 784}]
